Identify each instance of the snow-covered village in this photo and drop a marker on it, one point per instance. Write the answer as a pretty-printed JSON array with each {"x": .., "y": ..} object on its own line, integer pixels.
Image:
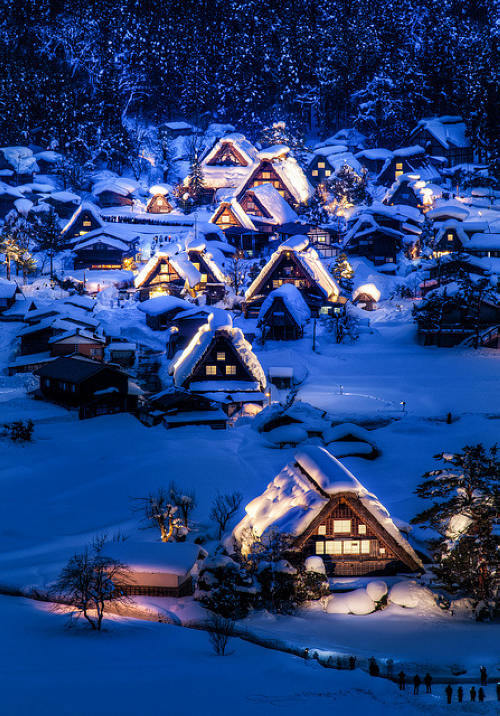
[{"x": 249, "y": 357}]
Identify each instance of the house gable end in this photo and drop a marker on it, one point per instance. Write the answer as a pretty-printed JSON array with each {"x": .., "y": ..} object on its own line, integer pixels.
[{"x": 220, "y": 355}]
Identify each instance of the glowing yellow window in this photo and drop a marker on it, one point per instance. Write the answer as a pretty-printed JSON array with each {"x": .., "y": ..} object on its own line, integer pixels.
[
  {"x": 321, "y": 165},
  {"x": 266, "y": 175},
  {"x": 450, "y": 237},
  {"x": 86, "y": 223},
  {"x": 362, "y": 529},
  {"x": 230, "y": 370},
  {"x": 365, "y": 546},
  {"x": 315, "y": 172},
  {"x": 322, "y": 530},
  {"x": 342, "y": 526},
  {"x": 333, "y": 547},
  {"x": 320, "y": 548},
  {"x": 382, "y": 550},
  {"x": 399, "y": 166},
  {"x": 82, "y": 233},
  {"x": 328, "y": 172},
  {"x": 398, "y": 174},
  {"x": 221, "y": 356},
  {"x": 277, "y": 284},
  {"x": 211, "y": 370},
  {"x": 204, "y": 278},
  {"x": 351, "y": 547}
]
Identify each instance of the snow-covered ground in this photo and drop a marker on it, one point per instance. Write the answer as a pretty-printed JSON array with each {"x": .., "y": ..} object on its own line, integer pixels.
[
  {"x": 78, "y": 479},
  {"x": 138, "y": 667}
]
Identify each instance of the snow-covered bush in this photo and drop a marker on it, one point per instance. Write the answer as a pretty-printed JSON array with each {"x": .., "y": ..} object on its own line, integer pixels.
[
  {"x": 225, "y": 587},
  {"x": 376, "y": 590},
  {"x": 355, "y": 602},
  {"x": 410, "y": 594},
  {"x": 19, "y": 431}
]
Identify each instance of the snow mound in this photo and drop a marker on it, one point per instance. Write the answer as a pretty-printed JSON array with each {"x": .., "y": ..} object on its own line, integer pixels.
[
  {"x": 315, "y": 564},
  {"x": 292, "y": 434},
  {"x": 376, "y": 590},
  {"x": 410, "y": 594},
  {"x": 356, "y": 602}
]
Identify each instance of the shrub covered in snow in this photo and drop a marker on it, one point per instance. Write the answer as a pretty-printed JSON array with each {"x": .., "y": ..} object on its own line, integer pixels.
[
  {"x": 410, "y": 594},
  {"x": 225, "y": 588},
  {"x": 376, "y": 590},
  {"x": 355, "y": 602}
]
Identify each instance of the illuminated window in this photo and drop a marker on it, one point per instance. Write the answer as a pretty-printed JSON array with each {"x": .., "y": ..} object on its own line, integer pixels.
[
  {"x": 450, "y": 237},
  {"x": 86, "y": 222},
  {"x": 320, "y": 548},
  {"x": 342, "y": 526},
  {"x": 382, "y": 550},
  {"x": 365, "y": 546},
  {"x": 321, "y": 165},
  {"x": 315, "y": 172},
  {"x": 322, "y": 530},
  {"x": 398, "y": 174},
  {"x": 351, "y": 547},
  {"x": 277, "y": 284},
  {"x": 230, "y": 370},
  {"x": 333, "y": 547},
  {"x": 282, "y": 193},
  {"x": 399, "y": 167},
  {"x": 164, "y": 268},
  {"x": 221, "y": 356},
  {"x": 328, "y": 172},
  {"x": 266, "y": 175},
  {"x": 362, "y": 529},
  {"x": 204, "y": 278},
  {"x": 211, "y": 370},
  {"x": 82, "y": 233},
  {"x": 197, "y": 266}
]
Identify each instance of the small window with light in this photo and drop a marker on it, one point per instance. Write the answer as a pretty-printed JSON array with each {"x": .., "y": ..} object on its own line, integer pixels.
[
  {"x": 211, "y": 370},
  {"x": 230, "y": 370},
  {"x": 321, "y": 165},
  {"x": 221, "y": 356}
]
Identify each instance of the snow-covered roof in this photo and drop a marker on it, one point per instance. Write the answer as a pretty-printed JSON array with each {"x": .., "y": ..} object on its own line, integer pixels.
[
  {"x": 163, "y": 304},
  {"x": 124, "y": 233},
  {"x": 447, "y": 131},
  {"x": 102, "y": 239},
  {"x": 180, "y": 262},
  {"x": 274, "y": 152},
  {"x": 448, "y": 210},
  {"x": 412, "y": 151},
  {"x": 65, "y": 197},
  {"x": 155, "y": 557},
  {"x": 118, "y": 185},
  {"x": 213, "y": 257},
  {"x": 21, "y": 159},
  {"x": 329, "y": 149},
  {"x": 217, "y": 323},
  {"x": 302, "y": 489},
  {"x": 162, "y": 189},
  {"x": 280, "y": 210},
  {"x": 292, "y": 298},
  {"x": 424, "y": 191},
  {"x": 240, "y": 143},
  {"x": 178, "y": 126},
  {"x": 238, "y": 212},
  {"x": 6, "y": 190},
  {"x": 484, "y": 241},
  {"x": 310, "y": 261},
  {"x": 376, "y": 154},
  {"x": 291, "y": 174},
  {"x": 84, "y": 206}
]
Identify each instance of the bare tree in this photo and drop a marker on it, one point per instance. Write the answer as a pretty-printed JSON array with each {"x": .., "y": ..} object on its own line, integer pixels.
[
  {"x": 90, "y": 582},
  {"x": 159, "y": 511},
  {"x": 223, "y": 509},
  {"x": 237, "y": 272},
  {"x": 221, "y": 629},
  {"x": 185, "y": 500}
]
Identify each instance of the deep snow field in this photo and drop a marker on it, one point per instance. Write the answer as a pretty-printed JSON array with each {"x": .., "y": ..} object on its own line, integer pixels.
[
  {"x": 78, "y": 479},
  {"x": 138, "y": 668}
]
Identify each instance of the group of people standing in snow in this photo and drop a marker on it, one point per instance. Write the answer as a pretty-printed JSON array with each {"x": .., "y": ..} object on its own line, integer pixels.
[{"x": 474, "y": 693}]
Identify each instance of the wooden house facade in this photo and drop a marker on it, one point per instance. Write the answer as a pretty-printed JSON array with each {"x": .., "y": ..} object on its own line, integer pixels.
[
  {"x": 269, "y": 172},
  {"x": 78, "y": 341},
  {"x": 296, "y": 263},
  {"x": 102, "y": 253},
  {"x": 218, "y": 361},
  {"x": 85, "y": 219},
  {"x": 167, "y": 273},
  {"x": 284, "y": 314},
  {"x": 159, "y": 204},
  {"x": 444, "y": 137},
  {"x": 95, "y": 388},
  {"x": 332, "y": 516}
]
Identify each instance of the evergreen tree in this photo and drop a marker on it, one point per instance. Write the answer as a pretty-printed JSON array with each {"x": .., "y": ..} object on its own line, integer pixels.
[
  {"x": 347, "y": 187},
  {"x": 47, "y": 235},
  {"x": 465, "y": 513},
  {"x": 343, "y": 272},
  {"x": 196, "y": 178}
]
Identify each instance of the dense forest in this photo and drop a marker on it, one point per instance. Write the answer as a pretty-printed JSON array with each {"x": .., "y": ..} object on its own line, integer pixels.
[{"x": 74, "y": 71}]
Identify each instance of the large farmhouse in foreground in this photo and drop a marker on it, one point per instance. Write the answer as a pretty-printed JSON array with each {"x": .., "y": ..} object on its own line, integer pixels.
[{"x": 325, "y": 511}]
